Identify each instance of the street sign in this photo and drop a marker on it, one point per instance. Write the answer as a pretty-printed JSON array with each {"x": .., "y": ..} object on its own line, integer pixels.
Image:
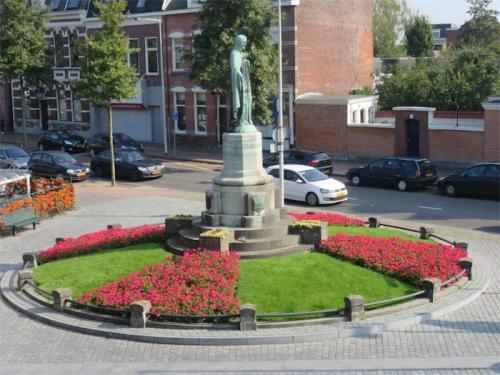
[
  {"x": 279, "y": 134},
  {"x": 176, "y": 114}
]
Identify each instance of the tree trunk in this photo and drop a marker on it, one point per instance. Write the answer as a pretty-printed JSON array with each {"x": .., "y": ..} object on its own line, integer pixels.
[
  {"x": 111, "y": 145},
  {"x": 23, "y": 113}
]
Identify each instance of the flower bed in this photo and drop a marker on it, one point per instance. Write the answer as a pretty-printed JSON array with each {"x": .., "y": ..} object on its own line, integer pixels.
[
  {"x": 331, "y": 219},
  {"x": 410, "y": 261},
  {"x": 49, "y": 196},
  {"x": 198, "y": 283},
  {"x": 103, "y": 240}
]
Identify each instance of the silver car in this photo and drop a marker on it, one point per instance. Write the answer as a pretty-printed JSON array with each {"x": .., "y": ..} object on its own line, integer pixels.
[{"x": 13, "y": 157}]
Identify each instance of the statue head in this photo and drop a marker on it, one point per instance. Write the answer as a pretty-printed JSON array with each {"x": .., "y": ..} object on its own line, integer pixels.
[{"x": 240, "y": 42}]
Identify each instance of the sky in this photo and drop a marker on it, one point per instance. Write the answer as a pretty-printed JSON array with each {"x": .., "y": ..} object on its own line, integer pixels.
[{"x": 446, "y": 11}]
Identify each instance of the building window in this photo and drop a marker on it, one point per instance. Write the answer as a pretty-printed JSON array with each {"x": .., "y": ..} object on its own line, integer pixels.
[
  {"x": 77, "y": 109},
  {"x": 436, "y": 34},
  {"x": 75, "y": 59},
  {"x": 180, "y": 106},
  {"x": 221, "y": 115},
  {"x": 178, "y": 50},
  {"x": 363, "y": 116},
  {"x": 194, "y": 3},
  {"x": 151, "y": 56},
  {"x": 354, "y": 117},
  {"x": 200, "y": 112},
  {"x": 133, "y": 57},
  {"x": 63, "y": 109},
  {"x": 56, "y": 4},
  {"x": 141, "y": 4},
  {"x": 73, "y": 4},
  {"x": 27, "y": 111},
  {"x": 59, "y": 50}
]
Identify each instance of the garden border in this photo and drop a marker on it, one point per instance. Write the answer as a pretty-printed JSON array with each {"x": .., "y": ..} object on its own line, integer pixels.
[{"x": 308, "y": 330}]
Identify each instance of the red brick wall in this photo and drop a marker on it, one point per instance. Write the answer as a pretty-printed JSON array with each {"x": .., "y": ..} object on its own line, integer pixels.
[
  {"x": 371, "y": 141},
  {"x": 452, "y": 37},
  {"x": 322, "y": 127},
  {"x": 334, "y": 45},
  {"x": 491, "y": 135},
  {"x": 401, "y": 141},
  {"x": 456, "y": 146}
]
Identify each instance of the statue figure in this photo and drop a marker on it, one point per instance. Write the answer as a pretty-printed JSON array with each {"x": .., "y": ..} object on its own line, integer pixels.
[{"x": 241, "y": 119}]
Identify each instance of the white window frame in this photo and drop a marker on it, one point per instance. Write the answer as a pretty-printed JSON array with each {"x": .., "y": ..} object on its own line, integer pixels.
[
  {"x": 196, "y": 119},
  {"x": 176, "y": 106},
  {"x": 175, "y": 51},
  {"x": 138, "y": 71},
  {"x": 74, "y": 111},
  {"x": 147, "y": 50}
]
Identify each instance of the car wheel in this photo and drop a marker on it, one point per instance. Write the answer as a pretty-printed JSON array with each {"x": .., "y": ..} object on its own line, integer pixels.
[
  {"x": 99, "y": 172},
  {"x": 312, "y": 199},
  {"x": 92, "y": 152},
  {"x": 40, "y": 147},
  {"x": 133, "y": 175},
  {"x": 402, "y": 186},
  {"x": 355, "y": 180},
  {"x": 450, "y": 190},
  {"x": 63, "y": 149}
]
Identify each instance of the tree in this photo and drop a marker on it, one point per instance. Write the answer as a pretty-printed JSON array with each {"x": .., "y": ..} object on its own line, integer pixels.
[
  {"x": 419, "y": 38},
  {"x": 483, "y": 28},
  {"x": 107, "y": 76},
  {"x": 390, "y": 18},
  {"x": 23, "y": 49},
  {"x": 220, "y": 22}
]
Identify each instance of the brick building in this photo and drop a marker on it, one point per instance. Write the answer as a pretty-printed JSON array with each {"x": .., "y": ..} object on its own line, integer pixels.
[{"x": 327, "y": 47}]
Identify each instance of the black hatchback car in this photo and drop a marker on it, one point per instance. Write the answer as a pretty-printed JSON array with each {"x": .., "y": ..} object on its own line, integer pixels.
[
  {"x": 315, "y": 159},
  {"x": 100, "y": 143},
  {"x": 402, "y": 172},
  {"x": 481, "y": 179},
  {"x": 62, "y": 140},
  {"x": 59, "y": 164},
  {"x": 129, "y": 163}
]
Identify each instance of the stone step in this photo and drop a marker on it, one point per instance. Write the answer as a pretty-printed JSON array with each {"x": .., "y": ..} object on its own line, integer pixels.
[
  {"x": 298, "y": 249},
  {"x": 174, "y": 246},
  {"x": 188, "y": 238},
  {"x": 265, "y": 243},
  {"x": 277, "y": 230}
]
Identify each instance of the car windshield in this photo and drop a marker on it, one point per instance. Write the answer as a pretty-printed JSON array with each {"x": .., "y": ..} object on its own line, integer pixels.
[
  {"x": 63, "y": 158},
  {"x": 16, "y": 153},
  {"x": 123, "y": 138},
  {"x": 424, "y": 165},
  {"x": 133, "y": 156},
  {"x": 313, "y": 175},
  {"x": 67, "y": 134}
]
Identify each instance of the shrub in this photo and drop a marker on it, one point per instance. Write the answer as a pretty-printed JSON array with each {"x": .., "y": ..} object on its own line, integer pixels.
[
  {"x": 409, "y": 261},
  {"x": 103, "y": 240},
  {"x": 200, "y": 282},
  {"x": 304, "y": 223},
  {"x": 217, "y": 232},
  {"x": 331, "y": 219},
  {"x": 184, "y": 217}
]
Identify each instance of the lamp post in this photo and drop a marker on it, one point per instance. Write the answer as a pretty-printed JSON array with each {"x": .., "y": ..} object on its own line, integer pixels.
[
  {"x": 280, "y": 113},
  {"x": 159, "y": 22}
]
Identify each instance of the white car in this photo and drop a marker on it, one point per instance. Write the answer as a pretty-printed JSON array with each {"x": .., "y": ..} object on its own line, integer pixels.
[{"x": 306, "y": 184}]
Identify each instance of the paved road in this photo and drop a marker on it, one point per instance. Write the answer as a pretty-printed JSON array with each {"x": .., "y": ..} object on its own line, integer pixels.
[{"x": 425, "y": 206}]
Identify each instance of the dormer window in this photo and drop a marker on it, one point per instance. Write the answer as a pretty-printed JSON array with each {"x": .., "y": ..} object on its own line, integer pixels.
[
  {"x": 194, "y": 3},
  {"x": 141, "y": 4},
  {"x": 73, "y": 4}
]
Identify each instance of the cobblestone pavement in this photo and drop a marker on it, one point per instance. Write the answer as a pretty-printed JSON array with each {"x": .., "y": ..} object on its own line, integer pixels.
[{"x": 464, "y": 342}]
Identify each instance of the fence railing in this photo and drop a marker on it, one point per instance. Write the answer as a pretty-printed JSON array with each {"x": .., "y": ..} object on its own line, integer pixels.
[{"x": 453, "y": 120}]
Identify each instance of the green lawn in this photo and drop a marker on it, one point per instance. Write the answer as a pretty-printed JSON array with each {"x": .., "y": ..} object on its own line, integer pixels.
[
  {"x": 307, "y": 282},
  {"x": 375, "y": 232},
  {"x": 87, "y": 272}
]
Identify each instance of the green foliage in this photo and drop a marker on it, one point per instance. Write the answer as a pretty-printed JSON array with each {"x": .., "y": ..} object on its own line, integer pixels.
[
  {"x": 23, "y": 49},
  {"x": 462, "y": 79},
  {"x": 483, "y": 29},
  {"x": 305, "y": 224},
  {"x": 87, "y": 272},
  {"x": 390, "y": 17},
  {"x": 107, "y": 74},
  {"x": 419, "y": 38},
  {"x": 183, "y": 217},
  {"x": 217, "y": 232},
  {"x": 220, "y": 22},
  {"x": 366, "y": 90},
  {"x": 374, "y": 232}
]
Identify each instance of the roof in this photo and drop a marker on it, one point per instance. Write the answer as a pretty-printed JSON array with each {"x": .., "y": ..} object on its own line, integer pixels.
[
  {"x": 150, "y": 6},
  {"x": 177, "y": 5},
  {"x": 443, "y": 27}
]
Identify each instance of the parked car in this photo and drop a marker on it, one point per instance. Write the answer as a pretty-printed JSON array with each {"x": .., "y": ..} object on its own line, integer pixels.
[
  {"x": 59, "y": 164},
  {"x": 129, "y": 163},
  {"x": 100, "y": 143},
  {"x": 62, "y": 140},
  {"x": 307, "y": 184},
  {"x": 402, "y": 172},
  {"x": 481, "y": 179},
  {"x": 13, "y": 157},
  {"x": 319, "y": 160}
]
